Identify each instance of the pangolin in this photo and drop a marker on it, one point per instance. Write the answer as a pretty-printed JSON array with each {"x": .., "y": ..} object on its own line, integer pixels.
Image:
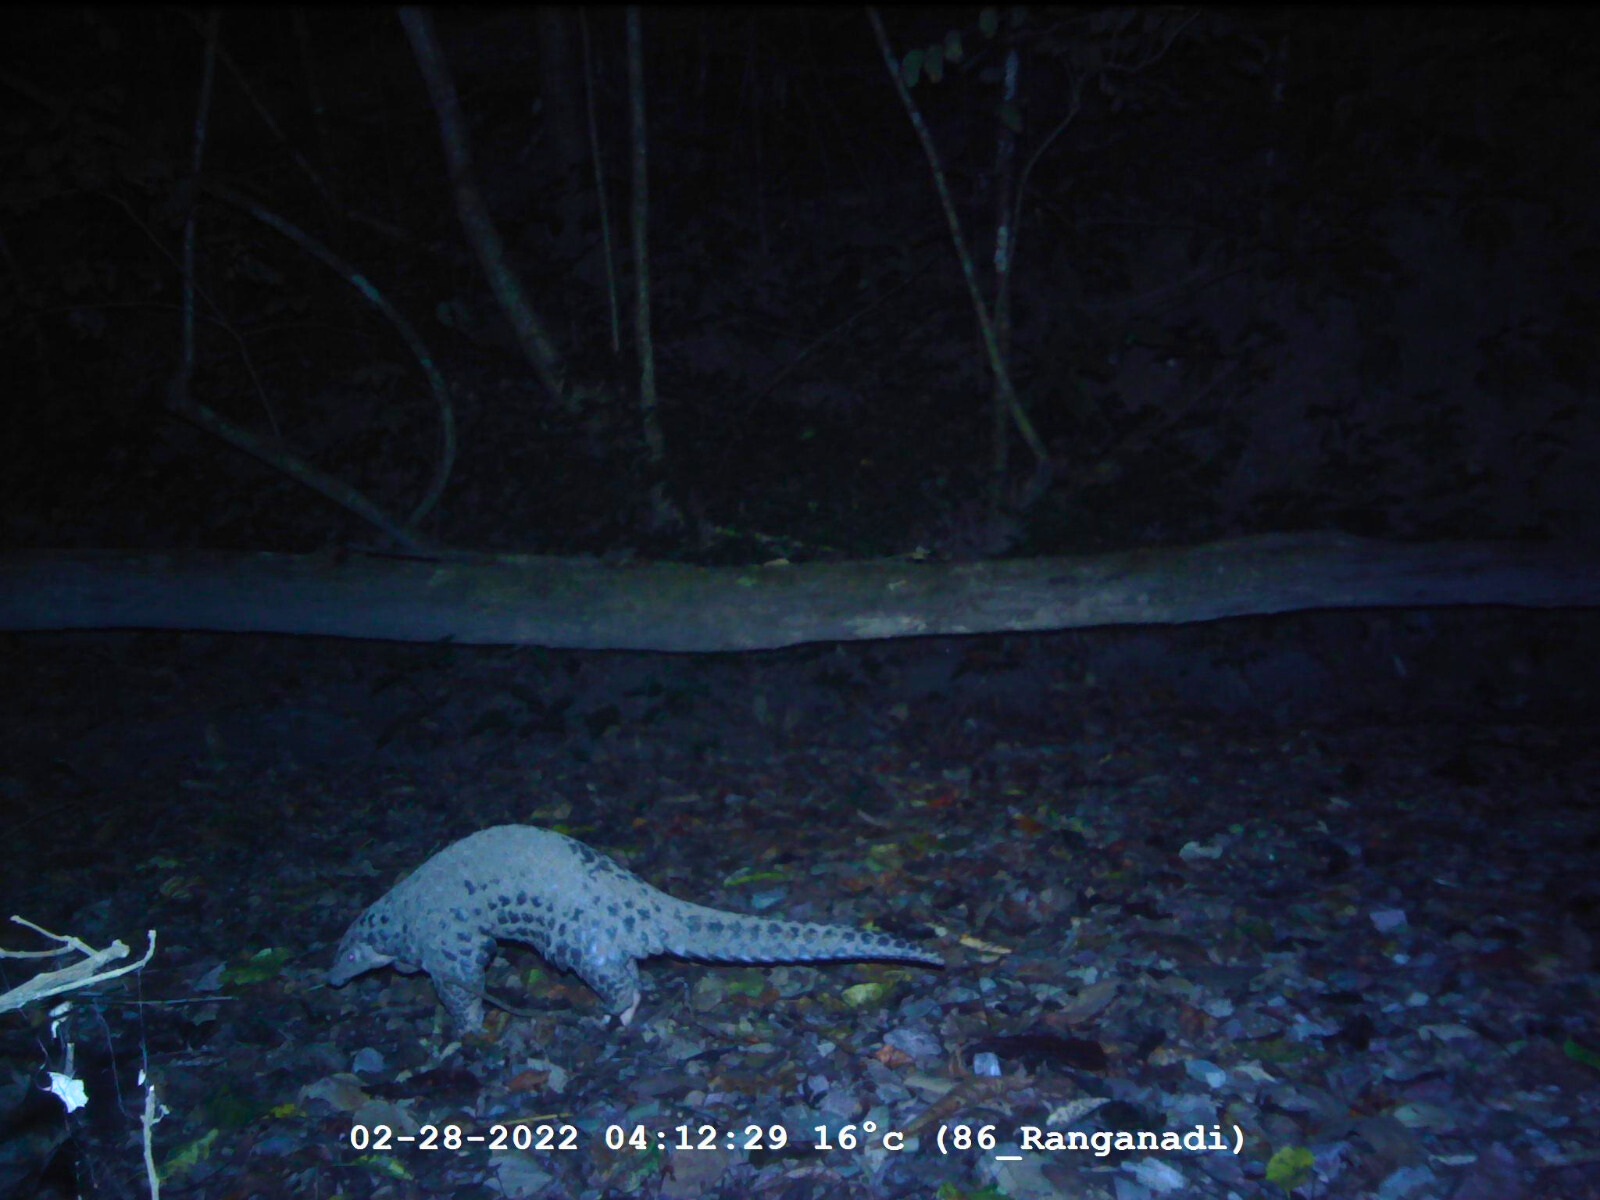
[{"x": 581, "y": 910}]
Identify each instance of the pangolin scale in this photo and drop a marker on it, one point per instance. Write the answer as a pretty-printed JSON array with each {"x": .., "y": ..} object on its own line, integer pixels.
[{"x": 581, "y": 911}]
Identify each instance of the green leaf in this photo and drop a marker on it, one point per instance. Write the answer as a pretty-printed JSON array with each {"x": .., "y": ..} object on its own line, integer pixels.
[
  {"x": 911, "y": 68},
  {"x": 1290, "y": 1167},
  {"x": 952, "y": 46},
  {"x": 1581, "y": 1054},
  {"x": 748, "y": 983},
  {"x": 865, "y": 995},
  {"x": 935, "y": 63},
  {"x": 989, "y": 22},
  {"x": 749, "y": 875},
  {"x": 384, "y": 1164},
  {"x": 230, "y": 1112},
  {"x": 186, "y": 1157},
  {"x": 263, "y": 965}
]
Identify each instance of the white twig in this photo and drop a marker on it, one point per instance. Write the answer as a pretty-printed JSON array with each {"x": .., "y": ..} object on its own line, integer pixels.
[
  {"x": 153, "y": 1112},
  {"x": 79, "y": 975}
]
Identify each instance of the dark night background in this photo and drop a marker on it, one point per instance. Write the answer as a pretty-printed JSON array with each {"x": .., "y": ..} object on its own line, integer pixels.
[
  {"x": 1321, "y": 270},
  {"x": 1327, "y": 878}
]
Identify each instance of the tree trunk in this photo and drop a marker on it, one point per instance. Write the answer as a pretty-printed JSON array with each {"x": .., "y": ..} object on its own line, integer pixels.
[{"x": 586, "y": 603}]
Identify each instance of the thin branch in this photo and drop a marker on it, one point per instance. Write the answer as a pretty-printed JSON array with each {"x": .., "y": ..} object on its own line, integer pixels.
[
  {"x": 986, "y": 327},
  {"x": 600, "y": 186},
  {"x": 72, "y": 978},
  {"x": 537, "y": 345},
  {"x": 419, "y": 350}
]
